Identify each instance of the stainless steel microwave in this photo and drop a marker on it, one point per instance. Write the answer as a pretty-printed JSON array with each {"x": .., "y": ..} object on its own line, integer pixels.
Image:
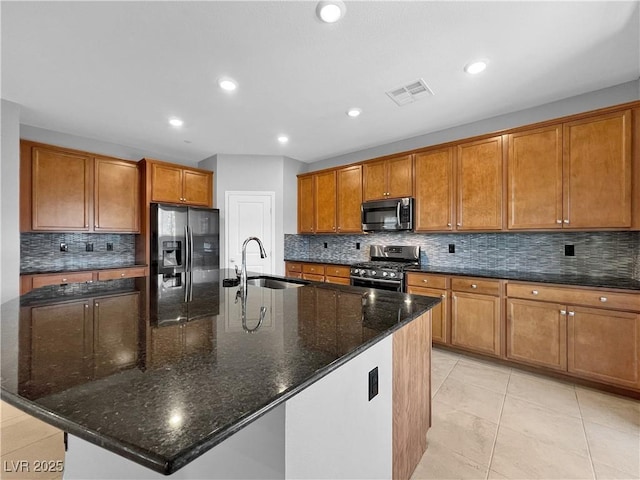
[{"x": 393, "y": 214}]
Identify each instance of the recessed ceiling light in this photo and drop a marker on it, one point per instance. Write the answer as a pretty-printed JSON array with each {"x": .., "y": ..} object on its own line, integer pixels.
[
  {"x": 474, "y": 68},
  {"x": 283, "y": 139},
  {"x": 354, "y": 112},
  {"x": 175, "y": 122},
  {"x": 330, "y": 11},
  {"x": 227, "y": 84}
]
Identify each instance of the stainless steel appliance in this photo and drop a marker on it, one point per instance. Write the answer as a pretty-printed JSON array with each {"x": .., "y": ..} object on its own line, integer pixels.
[
  {"x": 387, "y": 215},
  {"x": 185, "y": 261},
  {"x": 386, "y": 268}
]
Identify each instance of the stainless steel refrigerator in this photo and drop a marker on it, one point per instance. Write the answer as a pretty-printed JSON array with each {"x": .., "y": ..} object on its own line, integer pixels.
[{"x": 185, "y": 262}]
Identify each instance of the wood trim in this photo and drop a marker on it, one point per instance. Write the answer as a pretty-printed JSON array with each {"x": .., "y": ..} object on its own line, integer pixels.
[
  {"x": 635, "y": 169},
  {"x": 175, "y": 165},
  {"x": 25, "y": 186},
  {"x": 411, "y": 395}
]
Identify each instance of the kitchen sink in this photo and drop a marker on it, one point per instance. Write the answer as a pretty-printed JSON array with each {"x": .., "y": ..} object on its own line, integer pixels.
[{"x": 275, "y": 283}]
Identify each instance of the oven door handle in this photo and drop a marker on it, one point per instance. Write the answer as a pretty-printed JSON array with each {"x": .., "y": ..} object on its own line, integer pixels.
[{"x": 379, "y": 280}]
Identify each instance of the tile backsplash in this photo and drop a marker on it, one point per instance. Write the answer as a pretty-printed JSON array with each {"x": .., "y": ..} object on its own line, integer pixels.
[
  {"x": 614, "y": 254},
  {"x": 40, "y": 252}
]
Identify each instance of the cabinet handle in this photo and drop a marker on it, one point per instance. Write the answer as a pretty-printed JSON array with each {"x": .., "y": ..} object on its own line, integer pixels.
[
  {"x": 86, "y": 225},
  {"x": 459, "y": 224},
  {"x": 96, "y": 304},
  {"x": 603, "y": 299},
  {"x": 86, "y": 305},
  {"x": 566, "y": 220},
  {"x": 534, "y": 292},
  {"x": 473, "y": 285},
  {"x": 558, "y": 221},
  {"x": 444, "y": 295},
  {"x": 448, "y": 224},
  {"x": 571, "y": 314},
  {"x": 122, "y": 274},
  {"x": 563, "y": 312},
  {"x": 425, "y": 280},
  {"x": 64, "y": 279}
]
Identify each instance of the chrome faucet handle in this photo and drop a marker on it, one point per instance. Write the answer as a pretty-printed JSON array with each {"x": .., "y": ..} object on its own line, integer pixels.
[
  {"x": 238, "y": 273},
  {"x": 238, "y": 295}
]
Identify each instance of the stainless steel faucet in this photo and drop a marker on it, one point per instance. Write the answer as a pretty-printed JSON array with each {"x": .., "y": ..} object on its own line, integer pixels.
[{"x": 243, "y": 271}]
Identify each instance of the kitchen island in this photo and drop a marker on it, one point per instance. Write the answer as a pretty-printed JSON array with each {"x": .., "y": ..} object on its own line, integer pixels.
[{"x": 195, "y": 388}]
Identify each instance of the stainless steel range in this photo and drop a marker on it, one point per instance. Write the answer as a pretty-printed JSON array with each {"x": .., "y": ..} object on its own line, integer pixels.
[{"x": 386, "y": 268}]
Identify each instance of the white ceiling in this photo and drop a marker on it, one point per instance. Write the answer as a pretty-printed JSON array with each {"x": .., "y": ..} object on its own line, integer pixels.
[{"x": 116, "y": 71}]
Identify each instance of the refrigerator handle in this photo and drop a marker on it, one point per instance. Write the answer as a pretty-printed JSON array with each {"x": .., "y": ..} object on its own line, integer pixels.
[
  {"x": 190, "y": 248},
  {"x": 190, "y": 286},
  {"x": 186, "y": 286},
  {"x": 187, "y": 244}
]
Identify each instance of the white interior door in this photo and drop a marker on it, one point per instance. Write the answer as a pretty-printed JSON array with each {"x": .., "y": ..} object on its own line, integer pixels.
[{"x": 250, "y": 214}]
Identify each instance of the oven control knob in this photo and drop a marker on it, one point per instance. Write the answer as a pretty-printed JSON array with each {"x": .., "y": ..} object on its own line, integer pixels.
[
  {"x": 392, "y": 274},
  {"x": 384, "y": 274},
  {"x": 373, "y": 272},
  {"x": 355, "y": 271}
]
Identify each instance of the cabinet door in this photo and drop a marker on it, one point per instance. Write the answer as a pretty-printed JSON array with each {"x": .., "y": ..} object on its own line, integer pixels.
[
  {"x": 325, "y": 202},
  {"x": 475, "y": 322},
  {"x": 537, "y": 333},
  {"x": 439, "y": 313},
  {"x": 197, "y": 188},
  {"x": 115, "y": 337},
  {"x": 434, "y": 190},
  {"x": 349, "y": 199},
  {"x": 480, "y": 185},
  {"x": 116, "y": 199},
  {"x": 60, "y": 347},
  {"x": 400, "y": 177},
  {"x": 166, "y": 183},
  {"x": 597, "y": 171},
  {"x": 534, "y": 169},
  {"x": 604, "y": 345},
  {"x": 60, "y": 189},
  {"x": 374, "y": 181},
  {"x": 305, "y": 204}
]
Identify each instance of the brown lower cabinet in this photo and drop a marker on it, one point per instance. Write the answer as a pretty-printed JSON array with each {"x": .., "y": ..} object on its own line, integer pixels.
[
  {"x": 318, "y": 272},
  {"x": 581, "y": 332},
  {"x": 66, "y": 343}
]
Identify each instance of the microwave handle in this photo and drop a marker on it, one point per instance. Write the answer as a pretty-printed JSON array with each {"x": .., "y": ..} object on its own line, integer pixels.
[
  {"x": 362, "y": 213},
  {"x": 398, "y": 213}
]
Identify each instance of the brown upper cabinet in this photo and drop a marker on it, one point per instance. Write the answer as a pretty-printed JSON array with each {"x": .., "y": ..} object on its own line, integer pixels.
[
  {"x": 117, "y": 198},
  {"x": 69, "y": 190},
  {"x": 176, "y": 184},
  {"x": 459, "y": 188},
  {"x": 329, "y": 201},
  {"x": 572, "y": 175},
  {"x": 434, "y": 190},
  {"x": 388, "y": 178}
]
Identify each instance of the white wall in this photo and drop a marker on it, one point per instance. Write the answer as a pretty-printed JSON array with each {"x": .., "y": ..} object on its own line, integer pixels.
[
  {"x": 625, "y": 92},
  {"x": 9, "y": 202},
  {"x": 259, "y": 173}
]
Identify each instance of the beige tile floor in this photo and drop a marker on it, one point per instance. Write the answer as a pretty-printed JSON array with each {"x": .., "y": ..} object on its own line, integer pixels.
[
  {"x": 495, "y": 422},
  {"x": 489, "y": 422},
  {"x": 30, "y": 448}
]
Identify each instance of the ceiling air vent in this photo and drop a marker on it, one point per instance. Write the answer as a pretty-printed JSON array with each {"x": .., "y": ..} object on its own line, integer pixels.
[{"x": 410, "y": 93}]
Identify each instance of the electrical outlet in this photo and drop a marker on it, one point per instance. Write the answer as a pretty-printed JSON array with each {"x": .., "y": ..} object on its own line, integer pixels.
[
  {"x": 109, "y": 247},
  {"x": 357, "y": 245},
  {"x": 88, "y": 247},
  {"x": 373, "y": 383},
  {"x": 452, "y": 248},
  {"x": 569, "y": 251},
  {"x": 325, "y": 244},
  {"x": 64, "y": 247}
]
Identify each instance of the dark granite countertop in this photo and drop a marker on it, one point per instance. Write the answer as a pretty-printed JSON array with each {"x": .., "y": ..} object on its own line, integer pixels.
[
  {"x": 162, "y": 402},
  {"x": 560, "y": 279},
  {"x": 77, "y": 270}
]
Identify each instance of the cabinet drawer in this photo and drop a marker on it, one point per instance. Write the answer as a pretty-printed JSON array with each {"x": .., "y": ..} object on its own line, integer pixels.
[
  {"x": 475, "y": 285},
  {"x": 294, "y": 267},
  {"x": 338, "y": 280},
  {"x": 427, "y": 280},
  {"x": 58, "y": 279},
  {"x": 121, "y": 273},
  {"x": 337, "y": 271},
  {"x": 576, "y": 296},
  {"x": 313, "y": 277},
  {"x": 313, "y": 268}
]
